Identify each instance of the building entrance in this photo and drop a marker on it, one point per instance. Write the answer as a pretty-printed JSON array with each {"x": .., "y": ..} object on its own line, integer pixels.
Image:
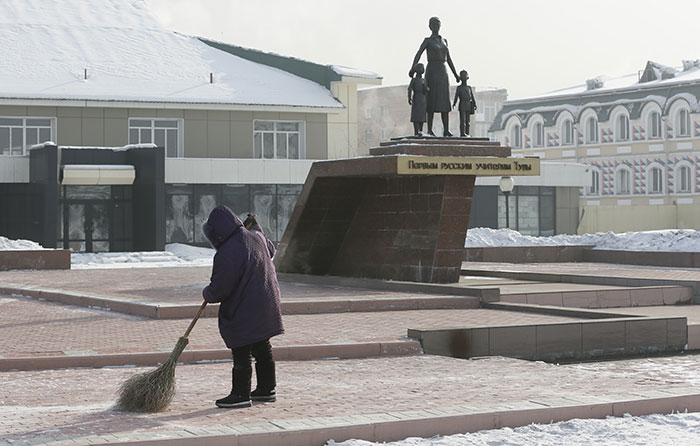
[{"x": 96, "y": 218}]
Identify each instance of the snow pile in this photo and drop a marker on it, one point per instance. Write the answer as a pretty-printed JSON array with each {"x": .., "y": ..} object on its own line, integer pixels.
[
  {"x": 675, "y": 429},
  {"x": 175, "y": 254},
  {"x": 18, "y": 245},
  {"x": 669, "y": 240}
]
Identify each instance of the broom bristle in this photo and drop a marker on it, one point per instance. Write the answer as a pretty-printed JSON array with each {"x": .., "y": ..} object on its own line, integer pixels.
[{"x": 151, "y": 391}]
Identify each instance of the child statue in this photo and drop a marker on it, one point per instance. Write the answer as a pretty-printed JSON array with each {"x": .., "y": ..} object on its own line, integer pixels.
[
  {"x": 467, "y": 103},
  {"x": 417, "y": 93}
]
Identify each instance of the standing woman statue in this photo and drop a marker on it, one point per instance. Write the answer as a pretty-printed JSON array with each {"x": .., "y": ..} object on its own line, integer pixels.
[{"x": 436, "y": 78}]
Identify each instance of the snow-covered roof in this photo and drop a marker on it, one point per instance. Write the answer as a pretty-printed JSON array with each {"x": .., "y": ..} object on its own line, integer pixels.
[
  {"x": 629, "y": 81},
  {"x": 658, "y": 83},
  {"x": 115, "y": 50}
]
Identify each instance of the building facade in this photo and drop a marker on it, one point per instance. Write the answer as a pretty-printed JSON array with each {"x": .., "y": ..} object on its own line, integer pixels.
[
  {"x": 638, "y": 135},
  {"x": 235, "y": 126}
]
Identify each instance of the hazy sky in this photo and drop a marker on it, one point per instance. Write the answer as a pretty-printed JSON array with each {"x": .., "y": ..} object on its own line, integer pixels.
[{"x": 526, "y": 46}]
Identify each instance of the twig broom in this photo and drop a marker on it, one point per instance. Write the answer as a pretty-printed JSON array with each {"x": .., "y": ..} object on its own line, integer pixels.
[{"x": 153, "y": 391}]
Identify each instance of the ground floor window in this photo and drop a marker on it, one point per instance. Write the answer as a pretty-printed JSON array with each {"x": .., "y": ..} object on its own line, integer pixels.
[
  {"x": 188, "y": 206},
  {"x": 530, "y": 210},
  {"x": 18, "y": 135}
]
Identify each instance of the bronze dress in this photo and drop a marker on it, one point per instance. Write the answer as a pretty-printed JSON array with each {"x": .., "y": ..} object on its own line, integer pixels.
[
  {"x": 438, "y": 99},
  {"x": 419, "y": 90}
]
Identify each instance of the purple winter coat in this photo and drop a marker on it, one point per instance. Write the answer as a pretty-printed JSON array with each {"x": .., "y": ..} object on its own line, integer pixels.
[{"x": 243, "y": 279}]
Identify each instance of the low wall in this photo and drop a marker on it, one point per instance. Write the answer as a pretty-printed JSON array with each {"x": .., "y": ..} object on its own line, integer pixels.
[
  {"x": 649, "y": 258},
  {"x": 525, "y": 254},
  {"x": 556, "y": 341},
  {"x": 39, "y": 259},
  {"x": 583, "y": 253}
]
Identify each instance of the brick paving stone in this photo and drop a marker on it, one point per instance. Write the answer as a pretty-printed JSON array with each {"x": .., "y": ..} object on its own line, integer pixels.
[
  {"x": 76, "y": 402},
  {"x": 172, "y": 285},
  {"x": 54, "y": 329}
]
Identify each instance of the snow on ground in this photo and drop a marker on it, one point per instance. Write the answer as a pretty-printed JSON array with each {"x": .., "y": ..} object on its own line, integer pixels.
[
  {"x": 676, "y": 429},
  {"x": 686, "y": 240},
  {"x": 18, "y": 245},
  {"x": 175, "y": 254}
]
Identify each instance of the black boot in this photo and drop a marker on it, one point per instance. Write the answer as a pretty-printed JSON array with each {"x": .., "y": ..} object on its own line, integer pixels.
[
  {"x": 265, "y": 374},
  {"x": 240, "y": 392}
]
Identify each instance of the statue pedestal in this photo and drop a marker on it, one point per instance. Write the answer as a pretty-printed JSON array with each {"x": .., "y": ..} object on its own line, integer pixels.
[{"x": 400, "y": 214}]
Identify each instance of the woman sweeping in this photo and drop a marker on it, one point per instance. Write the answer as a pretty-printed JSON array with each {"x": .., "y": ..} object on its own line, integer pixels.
[
  {"x": 436, "y": 78},
  {"x": 243, "y": 279}
]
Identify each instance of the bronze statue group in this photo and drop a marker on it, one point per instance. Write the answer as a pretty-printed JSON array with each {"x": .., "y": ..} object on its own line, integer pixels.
[{"x": 432, "y": 94}]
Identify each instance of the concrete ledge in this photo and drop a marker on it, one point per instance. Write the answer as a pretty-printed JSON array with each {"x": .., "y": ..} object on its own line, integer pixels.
[
  {"x": 649, "y": 258},
  {"x": 162, "y": 310},
  {"x": 392, "y": 285},
  {"x": 584, "y": 278},
  {"x": 642, "y": 296},
  {"x": 395, "y": 426},
  {"x": 562, "y": 340},
  {"x": 38, "y": 259},
  {"x": 286, "y": 353},
  {"x": 580, "y": 253},
  {"x": 526, "y": 254}
]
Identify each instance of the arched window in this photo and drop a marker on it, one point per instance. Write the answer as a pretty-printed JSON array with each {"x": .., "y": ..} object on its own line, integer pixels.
[
  {"x": 623, "y": 127},
  {"x": 592, "y": 130},
  {"x": 683, "y": 122},
  {"x": 538, "y": 135},
  {"x": 623, "y": 181},
  {"x": 684, "y": 179},
  {"x": 594, "y": 187},
  {"x": 567, "y": 132},
  {"x": 654, "y": 125},
  {"x": 655, "y": 179},
  {"x": 516, "y": 136}
]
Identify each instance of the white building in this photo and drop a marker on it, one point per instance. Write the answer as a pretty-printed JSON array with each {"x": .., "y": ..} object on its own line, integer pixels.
[{"x": 638, "y": 134}]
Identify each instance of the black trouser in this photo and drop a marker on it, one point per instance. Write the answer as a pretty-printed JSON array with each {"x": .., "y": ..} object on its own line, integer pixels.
[{"x": 264, "y": 368}]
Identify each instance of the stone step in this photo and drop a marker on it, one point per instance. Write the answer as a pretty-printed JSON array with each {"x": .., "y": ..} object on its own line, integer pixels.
[{"x": 284, "y": 353}]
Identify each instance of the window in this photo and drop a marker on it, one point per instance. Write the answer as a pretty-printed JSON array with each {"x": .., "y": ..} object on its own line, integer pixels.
[
  {"x": 622, "y": 181},
  {"x": 591, "y": 130},
  {"x": 516, "y": 136},
  {"x": 683, "y": 124},
  {"x": 567, "y": 132},
  {"x": 623, "y": 128},
  {"x": 654, "y": 125},
  {"x": 683, "y": 179},
  {"x": 18, "y": 135},
  {"x": 594, "y": 187},
  {"x": 368, "y": 113},
  {"x": 165, "y": 133},
  {"x": 279, "y": 140},
  {"x": 538, "y": 137},
  {"x": 368, "y": 134},
  {"x": 655, "y": 180}
]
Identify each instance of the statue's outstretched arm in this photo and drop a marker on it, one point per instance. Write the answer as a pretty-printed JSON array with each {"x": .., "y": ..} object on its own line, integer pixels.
[{"x": 417, "y": 58}]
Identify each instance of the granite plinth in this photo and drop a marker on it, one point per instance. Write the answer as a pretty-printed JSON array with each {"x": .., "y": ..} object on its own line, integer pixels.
[{"x": 363, "y": 217}]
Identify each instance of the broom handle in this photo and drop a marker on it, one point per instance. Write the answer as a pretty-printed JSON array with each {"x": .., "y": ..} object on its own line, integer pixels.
[{"x": 194, "y": 321}]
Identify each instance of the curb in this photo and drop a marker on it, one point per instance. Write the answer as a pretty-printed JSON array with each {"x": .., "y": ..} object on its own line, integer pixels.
[
  {"x": 288, "y": 353},
  {"x": 395, "y": 426},
  {"x": 163, "y": 310}
]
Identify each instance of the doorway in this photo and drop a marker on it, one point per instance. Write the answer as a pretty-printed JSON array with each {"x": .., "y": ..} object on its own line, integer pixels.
[{"x": 96, "y": 218}]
